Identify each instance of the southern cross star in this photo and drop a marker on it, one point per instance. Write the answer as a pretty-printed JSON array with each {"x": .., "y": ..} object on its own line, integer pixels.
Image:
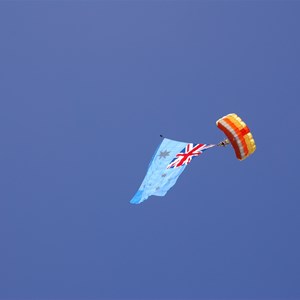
[{"x": 164, "y": 154}]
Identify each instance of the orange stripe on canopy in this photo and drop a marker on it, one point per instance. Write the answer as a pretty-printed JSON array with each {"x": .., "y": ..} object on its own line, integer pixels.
[
  {"x": 231, "y": 139},
  {"x": 231, "y": 123}
]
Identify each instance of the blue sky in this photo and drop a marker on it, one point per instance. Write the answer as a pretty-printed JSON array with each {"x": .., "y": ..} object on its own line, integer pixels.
[{"x": 86, "y": 88}]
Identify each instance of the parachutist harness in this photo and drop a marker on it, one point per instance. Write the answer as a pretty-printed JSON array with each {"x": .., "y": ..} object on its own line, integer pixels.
[{"x": 224, "y": 143}]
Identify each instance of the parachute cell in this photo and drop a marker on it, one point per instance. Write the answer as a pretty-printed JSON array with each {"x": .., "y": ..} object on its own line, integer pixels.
[{"x": 238, "y": 134}]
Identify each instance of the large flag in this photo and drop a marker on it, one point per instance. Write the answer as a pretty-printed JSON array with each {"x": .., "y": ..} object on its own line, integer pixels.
[{"x": 168, "y": 162}]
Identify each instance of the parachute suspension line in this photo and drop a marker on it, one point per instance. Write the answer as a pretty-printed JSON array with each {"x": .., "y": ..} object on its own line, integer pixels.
[{"x": 224, "y": 143}]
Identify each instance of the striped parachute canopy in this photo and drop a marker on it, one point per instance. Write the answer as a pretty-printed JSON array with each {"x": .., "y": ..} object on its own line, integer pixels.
[{"x": 238, "y": 134}]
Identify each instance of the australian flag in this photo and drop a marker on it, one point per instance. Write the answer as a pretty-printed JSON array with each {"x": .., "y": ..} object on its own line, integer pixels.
[{"x": 167, "y": 164}]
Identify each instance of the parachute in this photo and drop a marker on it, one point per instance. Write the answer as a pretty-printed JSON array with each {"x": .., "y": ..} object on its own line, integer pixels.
[
  {"x": 238, "y": 134},
  {"x": 172, "y": 157}
]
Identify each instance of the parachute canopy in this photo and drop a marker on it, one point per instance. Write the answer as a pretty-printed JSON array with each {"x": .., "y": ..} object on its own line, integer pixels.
[{"x": 238, "y": 134}]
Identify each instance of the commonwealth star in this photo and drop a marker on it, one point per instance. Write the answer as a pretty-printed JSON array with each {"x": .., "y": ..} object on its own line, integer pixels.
[{"x": 164, "y": 154}]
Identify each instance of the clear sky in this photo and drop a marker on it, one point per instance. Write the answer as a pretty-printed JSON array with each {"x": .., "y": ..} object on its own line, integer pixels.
[{"x": 86, "y": 88}]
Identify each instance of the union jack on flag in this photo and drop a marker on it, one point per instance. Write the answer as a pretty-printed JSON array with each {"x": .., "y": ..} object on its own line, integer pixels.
[{"x": 185, "y": 156}]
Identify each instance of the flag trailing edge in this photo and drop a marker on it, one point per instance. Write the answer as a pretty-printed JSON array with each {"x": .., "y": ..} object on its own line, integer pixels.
[{"x": 167, "y": 164}]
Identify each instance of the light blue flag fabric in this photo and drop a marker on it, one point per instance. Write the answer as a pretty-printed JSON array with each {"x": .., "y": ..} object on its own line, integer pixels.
[{"x": 159, "y": 179}]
